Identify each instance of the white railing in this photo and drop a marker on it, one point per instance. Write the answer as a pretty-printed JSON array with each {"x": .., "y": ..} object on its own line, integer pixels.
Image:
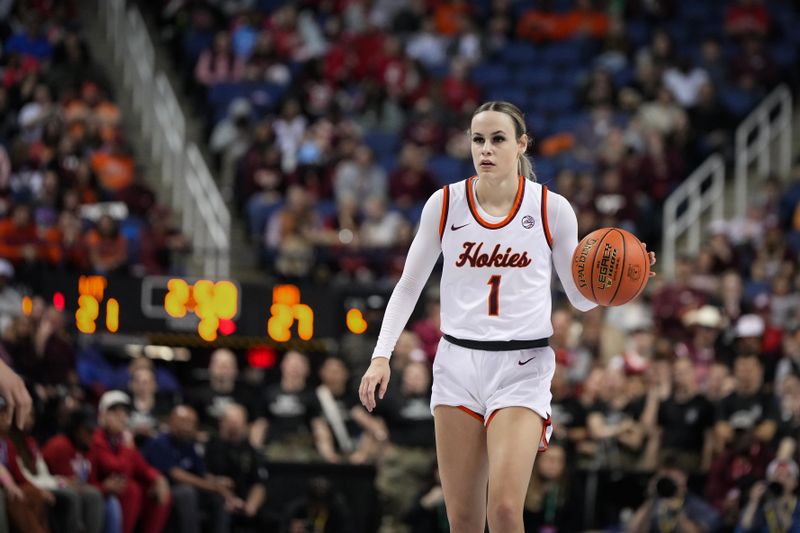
[
  {"x": 702, "y": 191},
  {"x": 768, "y": 127},
  {"x": 183, "y": 172}
]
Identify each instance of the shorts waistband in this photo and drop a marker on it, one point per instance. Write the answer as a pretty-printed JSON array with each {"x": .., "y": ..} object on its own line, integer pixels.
[{"x": 498, "y": 346}]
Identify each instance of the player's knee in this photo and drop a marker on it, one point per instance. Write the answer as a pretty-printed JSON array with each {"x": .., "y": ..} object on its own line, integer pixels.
[
  {"x": 505, "y": 515},
  {"x": 466, "y": 520}
]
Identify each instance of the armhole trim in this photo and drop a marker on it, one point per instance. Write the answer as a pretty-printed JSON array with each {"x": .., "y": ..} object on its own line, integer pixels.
[
  {"x": 545, "y": 225},
  {"x": 445, "y": 209}
]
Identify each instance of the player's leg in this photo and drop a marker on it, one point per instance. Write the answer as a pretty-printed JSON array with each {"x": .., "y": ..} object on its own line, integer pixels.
[
  {"x": 513, "y": 437},
  {"x": 463, "y": 468}
]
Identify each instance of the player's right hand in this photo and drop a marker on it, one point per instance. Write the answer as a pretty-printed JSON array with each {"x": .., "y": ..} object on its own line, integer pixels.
[{"x": 377, "y": 374}]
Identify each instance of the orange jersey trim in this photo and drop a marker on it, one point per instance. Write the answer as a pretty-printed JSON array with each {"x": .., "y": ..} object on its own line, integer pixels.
[
  {"x": 445, "y": 209},
  {"x": 511, "y": 214},
  {"x": 545, "y": 225},
  {"x": 471, "y": 413}
]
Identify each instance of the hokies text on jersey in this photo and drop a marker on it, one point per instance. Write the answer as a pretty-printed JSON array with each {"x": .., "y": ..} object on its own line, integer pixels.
[{"x": 472, "y": 255}]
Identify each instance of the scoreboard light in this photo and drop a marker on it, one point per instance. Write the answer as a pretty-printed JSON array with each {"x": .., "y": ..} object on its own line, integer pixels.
[
  {"x": 285, "y": 309},
  {"x": 209, "y": 301}
]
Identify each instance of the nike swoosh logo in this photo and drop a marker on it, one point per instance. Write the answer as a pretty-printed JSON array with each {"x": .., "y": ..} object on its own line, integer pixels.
[
  {"x": 526, "y": 361},
  {"x": 454, "y": 227}
]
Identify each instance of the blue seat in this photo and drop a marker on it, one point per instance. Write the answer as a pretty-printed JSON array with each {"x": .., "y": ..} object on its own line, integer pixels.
[
  {"x": 382, "y": 143},
  {"x": 545, "y": 169},
  {"x": 538, "y": 124},
  {"x": 514, "y": 95},
  {"x": 325, "y": 209},
  {"x": 491, "y": 75},
  {"x": 555, "y": 101},
  {"x": 414, "y": 212},
  {"x": 638, "y": 32},
  {"x": 784, "y": 54},
  {"x": 696, "y": 11},
  {"x": 564, "y": 53},
  {"x": 535, "y": 77},
  {"x": 520, "y": 53},
  {"x": 264, "y": 96},
  {"x": 445, "y": 169},
  {"x": 567, "y": 123},
  {"x": 737, "y": 101},
  {"x": 388, "y": 161},
  {"x": 258, "y": 215}
]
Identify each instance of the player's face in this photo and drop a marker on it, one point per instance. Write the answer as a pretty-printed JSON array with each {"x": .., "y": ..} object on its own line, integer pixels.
[{"x": 495, "y": 147}]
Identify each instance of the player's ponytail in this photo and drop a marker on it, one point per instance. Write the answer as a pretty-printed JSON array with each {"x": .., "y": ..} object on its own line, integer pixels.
[{"x": 524, "y": 165}]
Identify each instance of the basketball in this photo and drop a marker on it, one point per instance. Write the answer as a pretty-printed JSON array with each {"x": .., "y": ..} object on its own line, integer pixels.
[{"x": 610, "y": 266}]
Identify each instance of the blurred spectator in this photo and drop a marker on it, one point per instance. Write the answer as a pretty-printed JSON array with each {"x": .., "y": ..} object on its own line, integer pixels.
[
  {"x": 218, "y": 64},
  {"x": 223, "y": 388},
  {"x": 671, "y": 507},
  {"x": 240, "y": 468},
  {"x": 427, "y": 328},
  {"x": 773, "y": 503},
  {"x": 382, "y": 228},
  {"x": 753, "y": 68},
  {"x": 321, "y": 509},
  {"x": 77, "y": 507},
  {"x": 30, "y": 41},
  {"x": 10, "y": 298},
  {"x": 568, "y": 414},
  {"x": 288, "y": 414},
  {"x": 197, "y": 497},
  {"x": 673, "y": 299},
  {"x": 426, "y": 45},
  {"x": 613, "y": 423},
  {"x": 748, "y": 408},
  {"x": 410, "y": 182},
  {"x": 350, "y": 433},
  {"x": 550, "y": 501},
  {"x": 108, "y": 249},
  {"x": 26, "y": 504},
  {"x": 119, "y": 470},
  {"x": 685, "y": 82},
  {"x": 359, "y": 178},
  {"x": 148, "y": 408},
  {"x": 292, "y": 232},
  {"x": 427, "y": 516},
  {"x": 406, "y": 463},
  {"x": 687, "y": 419},
  {"x": 746, "y": 18},
  {"x": 703, "y": 325},
  {"x": 19, "y": 239}
]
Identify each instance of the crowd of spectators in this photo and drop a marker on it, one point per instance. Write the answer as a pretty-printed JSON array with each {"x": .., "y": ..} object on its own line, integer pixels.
[
  {"x": 71, "y": 194},
  {"x": 680, "y": 410},
  {"x": 364, "y": 105}
]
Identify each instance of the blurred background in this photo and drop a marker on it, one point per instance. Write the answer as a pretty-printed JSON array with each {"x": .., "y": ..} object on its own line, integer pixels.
[{"x": 205, "y": 204}]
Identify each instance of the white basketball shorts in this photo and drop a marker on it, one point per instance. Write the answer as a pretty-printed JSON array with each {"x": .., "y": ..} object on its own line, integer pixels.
[{"x": 482, "y": 382}]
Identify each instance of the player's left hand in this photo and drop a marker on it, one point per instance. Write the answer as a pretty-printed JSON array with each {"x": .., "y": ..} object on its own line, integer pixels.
[{"x": 652, "y": 256}]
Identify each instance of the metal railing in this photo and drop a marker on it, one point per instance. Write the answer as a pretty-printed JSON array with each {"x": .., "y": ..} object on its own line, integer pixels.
[
  {"x": 702, "y": 191},
  {"x": 767, "y": 128},
  {"x": 182, "y": 170}
]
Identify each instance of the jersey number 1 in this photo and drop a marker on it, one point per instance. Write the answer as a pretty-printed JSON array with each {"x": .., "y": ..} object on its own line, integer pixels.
[{"x": 494, "y": 294}]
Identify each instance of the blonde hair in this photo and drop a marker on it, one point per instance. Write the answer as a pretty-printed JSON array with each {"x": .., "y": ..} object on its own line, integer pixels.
[{"x": 524, "y": 165}]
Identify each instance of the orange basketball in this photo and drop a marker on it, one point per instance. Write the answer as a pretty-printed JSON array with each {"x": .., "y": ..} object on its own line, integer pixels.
[{"x": 610, "y": 266}]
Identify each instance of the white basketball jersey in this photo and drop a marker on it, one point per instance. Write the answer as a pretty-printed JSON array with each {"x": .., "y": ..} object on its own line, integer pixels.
[{"x": 496, "y": 276}]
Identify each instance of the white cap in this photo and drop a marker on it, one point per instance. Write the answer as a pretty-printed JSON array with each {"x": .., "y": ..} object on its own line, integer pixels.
[
  {"x": 707, "y": 316},
  {"x": 6, "y": 268},
  {"x": 776, "y": 463},
  {"x": 749, "y": 326},
  {"x": 111, "y": 399}
]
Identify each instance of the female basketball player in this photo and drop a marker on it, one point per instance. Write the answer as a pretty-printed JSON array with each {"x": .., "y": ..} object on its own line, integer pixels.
[{"x": 499, "y": 233}]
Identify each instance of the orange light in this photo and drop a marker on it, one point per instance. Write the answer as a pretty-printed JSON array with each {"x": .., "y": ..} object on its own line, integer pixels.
[
  {"x": 286, "y": 294},
  {"x": 112, "y": 315},
  {"x": 355, "y": 321},
  {"x": 86, "y": 314},
  {"x": 27, "y": 305},
  {"x": 208, "y": 300},
  {"x": 207, "y": 328},
  {"x": 93, "y": 286}
]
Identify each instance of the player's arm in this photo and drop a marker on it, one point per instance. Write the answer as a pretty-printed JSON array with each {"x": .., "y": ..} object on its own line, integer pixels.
[
  {"x": 421, "y": 258},
  {"x": 563, "y": 226}
]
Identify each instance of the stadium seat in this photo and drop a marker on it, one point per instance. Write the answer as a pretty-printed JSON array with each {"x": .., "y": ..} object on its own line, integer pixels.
[
  {"x": 445, "y": 169},
  {"x": 535, "y": 77},
  {"x": 491, "y": 75},
  {"x": 382, "y": 143},
  {"x": 514, "y": 95},
  {"x": 520, "y": 53},
  {"x": 565, "y": 53},
  {"x": 737, "y": 101}
]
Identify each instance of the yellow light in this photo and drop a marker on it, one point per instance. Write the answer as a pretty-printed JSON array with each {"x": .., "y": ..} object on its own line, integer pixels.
[
  {"x": 280, "y": 322},
  {"x": 355, "y": 321},
  {"x": 207, "y": 328},
  {"x": 27, "y": 305},
  {"x": 86, "y": 314},
  {"x": 305, "y": 321},
  {"x": 176, "y": 298},
  {"x": 226, "y": 297},
  {"x": 112, "y": 315}
]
